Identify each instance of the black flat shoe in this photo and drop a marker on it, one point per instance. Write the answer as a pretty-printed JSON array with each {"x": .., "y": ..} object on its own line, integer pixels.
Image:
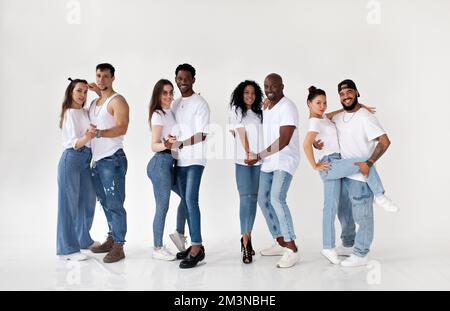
[
  {"x": 191, "y": 261},
  {"x": 184, "y": 254}
]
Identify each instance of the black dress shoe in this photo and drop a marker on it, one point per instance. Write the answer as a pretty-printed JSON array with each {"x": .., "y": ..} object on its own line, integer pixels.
[
  {"x": 191, "y": 261},
  {"x": 184, "y": 254}
]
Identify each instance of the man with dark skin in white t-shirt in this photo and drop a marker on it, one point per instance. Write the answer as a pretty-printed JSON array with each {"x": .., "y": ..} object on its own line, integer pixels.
[
  {"x": 280, "y": 121},
  {"x": 194, "y": 110}
]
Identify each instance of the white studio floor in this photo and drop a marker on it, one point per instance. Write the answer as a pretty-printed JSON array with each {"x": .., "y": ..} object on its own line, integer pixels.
[{"x": 396, "y": 265}]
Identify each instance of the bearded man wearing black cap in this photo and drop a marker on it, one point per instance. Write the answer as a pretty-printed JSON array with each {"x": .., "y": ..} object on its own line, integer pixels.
[{"x": 360, "y": 136}]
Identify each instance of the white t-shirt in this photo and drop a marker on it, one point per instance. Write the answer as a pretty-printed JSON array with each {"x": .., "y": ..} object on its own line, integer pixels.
[
  {"x": 75, "y": 124},
  {"x": 282, "y": 114},
  {"x": 357, "y": 133},
  {"x": 253, "y": 129},
  {"x": 326, "y": 132},
  {"x": 167, "y": 121},
  {"x": 192, "y": 117}
]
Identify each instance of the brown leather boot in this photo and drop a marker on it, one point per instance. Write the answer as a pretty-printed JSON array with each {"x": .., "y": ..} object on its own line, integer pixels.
[
  {"x": 104, "y": 247},
  {"x": 115, "y": 254}
]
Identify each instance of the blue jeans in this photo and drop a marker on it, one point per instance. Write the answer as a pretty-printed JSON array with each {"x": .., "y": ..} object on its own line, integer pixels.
[
  {"x": 76, "y": 201},
  {"x": 109, "y": 181},
  {"x": 273, "y": 188},
  {"x": 340, "y": 168},
  {"x": 188, "y": 180},
  {"x": 160, "y": 169},
  {"x": 247, "y": 180},
  {"x": 356, "y": 206}
]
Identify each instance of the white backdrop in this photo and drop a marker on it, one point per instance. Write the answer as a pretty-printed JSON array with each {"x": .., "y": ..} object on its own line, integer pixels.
[{"x": 397, "y": 55}]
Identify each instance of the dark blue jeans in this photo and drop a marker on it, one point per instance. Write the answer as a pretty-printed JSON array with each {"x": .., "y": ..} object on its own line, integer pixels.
[
  {"x": 109, "y": 181},
  {"x": 188, "y": 180}
]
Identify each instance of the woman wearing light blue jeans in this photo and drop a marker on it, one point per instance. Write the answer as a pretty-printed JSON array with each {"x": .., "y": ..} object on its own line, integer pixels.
[
  {"x": 246, "y": 121},
  {"x": 332, "y": 168}
]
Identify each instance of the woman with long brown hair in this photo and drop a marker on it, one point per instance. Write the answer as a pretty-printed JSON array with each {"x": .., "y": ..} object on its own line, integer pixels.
[
  {"x": 76, "y": 195},
  {"x": 161, "y": 166}
]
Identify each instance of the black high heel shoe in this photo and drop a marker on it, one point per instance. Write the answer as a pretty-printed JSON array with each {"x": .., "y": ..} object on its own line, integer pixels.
[
  {"x": 247, "y": 252},
  {"x": 249, "y": 244}
]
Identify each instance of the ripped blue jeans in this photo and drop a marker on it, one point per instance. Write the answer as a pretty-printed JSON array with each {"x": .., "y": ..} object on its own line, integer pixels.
[
  {"x": 108, "y": 175},
  {"x": 356, "y": 207}
]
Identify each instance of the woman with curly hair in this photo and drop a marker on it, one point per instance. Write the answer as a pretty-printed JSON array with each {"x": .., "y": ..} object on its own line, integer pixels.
[{"x": 246, "y": 126}]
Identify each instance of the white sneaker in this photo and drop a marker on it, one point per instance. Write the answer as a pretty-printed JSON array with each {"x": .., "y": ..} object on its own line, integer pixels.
[
  {"x": 344, "y": 251},
  {"x": 163, "y": 253},
  {"x": 386, "y": 203},
  {"x": 74, "y": 257},
  {"x": 331, "y": 255},
  {"x": 289, "y": 259},
  {"x": 274, "y": 250},
  {"x": 355, "y": 261},
  {"x": 179, "y": 240}
]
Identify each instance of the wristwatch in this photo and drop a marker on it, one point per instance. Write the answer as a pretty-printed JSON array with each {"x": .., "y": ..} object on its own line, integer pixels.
[
  {"x": 369, "y": 163},
  {"x": 97, "y": 133},
  {"x": 181, "y": 146}
]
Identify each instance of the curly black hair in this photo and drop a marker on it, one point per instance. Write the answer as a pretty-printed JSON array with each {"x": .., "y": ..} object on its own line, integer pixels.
[{"x": 237, "y": 98}]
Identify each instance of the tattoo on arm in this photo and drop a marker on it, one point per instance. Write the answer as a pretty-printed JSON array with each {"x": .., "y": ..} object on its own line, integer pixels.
[{"x": 380, "y": 149}]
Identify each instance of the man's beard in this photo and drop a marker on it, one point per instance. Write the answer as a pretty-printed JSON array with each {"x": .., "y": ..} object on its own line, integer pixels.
[{"x": 349, "y": 108}]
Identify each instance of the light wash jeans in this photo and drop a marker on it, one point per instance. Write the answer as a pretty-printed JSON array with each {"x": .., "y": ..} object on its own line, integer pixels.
[
  {"x": 273, "y": 188},
  {"x": 109, "y": 182},
  {"x": 340, "y": 168},
  {"x": 188, "y": 180},
  {"x": 76, "y": 201},
  {"x": 160, "y": 170},
  {"x": 356, "y": 207},
  {"x": 247, "y": 180}
]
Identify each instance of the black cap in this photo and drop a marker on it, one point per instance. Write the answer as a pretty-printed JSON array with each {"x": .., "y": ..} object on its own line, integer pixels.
[{"x": 347, "y": 84}]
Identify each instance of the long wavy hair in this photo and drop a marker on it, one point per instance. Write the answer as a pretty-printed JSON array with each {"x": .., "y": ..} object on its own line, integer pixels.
[
  {"x": 237, "y": 98},
  {"x": 155, "y": 101},
  {"x": 67, "y": 102}
]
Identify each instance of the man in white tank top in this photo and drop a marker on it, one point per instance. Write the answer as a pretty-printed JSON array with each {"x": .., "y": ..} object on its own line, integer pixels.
[{"x": 109, "y": 116}]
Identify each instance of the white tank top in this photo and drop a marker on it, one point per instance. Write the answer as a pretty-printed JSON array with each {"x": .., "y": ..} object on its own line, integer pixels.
[{"x": 104, "y": 146}]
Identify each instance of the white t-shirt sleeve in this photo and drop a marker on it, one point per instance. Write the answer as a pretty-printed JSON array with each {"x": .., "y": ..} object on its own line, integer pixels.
[
  {"x": 157, "y": 119},
  {"x": 372, "y": 127},
  {"x": 289, "y": 115},
  {"x": 235, "y": 118},
  {"x": 202, "y": 119},
  {"x": 70, "y": 129},
  {"x": 314, "y": 125}
]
